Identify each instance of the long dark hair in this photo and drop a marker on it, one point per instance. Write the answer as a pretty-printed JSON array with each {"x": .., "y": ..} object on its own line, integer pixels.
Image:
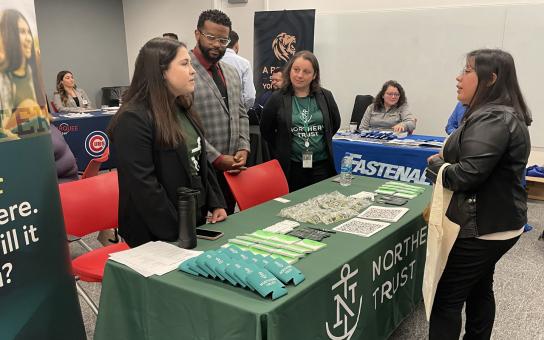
[
  {"x": 10, "y": 35},
  {"x": 60, "y": 87},
  {"x": 505, "y": 90},
  {"x": 378, "y": 101},
  {"x": 315, "y": 85},
  {"x": 148, "y": 89}
]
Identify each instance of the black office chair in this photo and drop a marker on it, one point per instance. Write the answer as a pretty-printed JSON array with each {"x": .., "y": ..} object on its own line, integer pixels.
[
  {"x": 359, "y": 108},
  {"x": 112, "y": 94}
]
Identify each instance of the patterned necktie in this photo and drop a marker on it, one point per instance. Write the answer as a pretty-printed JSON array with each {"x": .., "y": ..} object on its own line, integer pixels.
[{"x": 219, "y": 83}]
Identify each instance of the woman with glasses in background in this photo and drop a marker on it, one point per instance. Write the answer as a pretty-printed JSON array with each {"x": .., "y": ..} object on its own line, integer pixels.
[
  {"x": 389, "y": 110},
  {"x": 298, "y": 122}
]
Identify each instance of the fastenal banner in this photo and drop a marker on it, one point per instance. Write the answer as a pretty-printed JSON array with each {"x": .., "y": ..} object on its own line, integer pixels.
[
  {"x": 278, "y": 36},
  {"x": 37, "y": 293}
]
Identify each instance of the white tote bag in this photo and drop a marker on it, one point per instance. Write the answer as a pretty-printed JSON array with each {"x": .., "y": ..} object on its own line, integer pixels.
[{"x": 441, "y": 236}]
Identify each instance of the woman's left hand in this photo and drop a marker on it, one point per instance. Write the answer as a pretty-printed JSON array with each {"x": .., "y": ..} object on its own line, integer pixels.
[
  {"x": 399, "y": 128},
  {"x": 218, "y": 215},
  {"x": 431, "y": 157}
]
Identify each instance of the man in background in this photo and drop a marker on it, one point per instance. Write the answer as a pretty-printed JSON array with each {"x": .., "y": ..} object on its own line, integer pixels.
[
  {"x": 243, "y": 67},
  {"x": 455, "y": 118},
  {"x": 276, "y": 83},
  {"x": 218, "y": 99},
  {"x": 173, "y": 36}
]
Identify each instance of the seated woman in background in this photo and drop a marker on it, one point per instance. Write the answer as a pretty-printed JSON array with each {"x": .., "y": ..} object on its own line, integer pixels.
[
  {"x": 69, "y": 97},
  {"x": 160, "y": 147},
  {"x": 298, "y": 122},
  {"x": 389, "y": 110}
]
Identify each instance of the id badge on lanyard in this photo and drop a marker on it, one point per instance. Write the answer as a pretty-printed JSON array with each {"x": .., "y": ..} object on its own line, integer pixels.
[{"x": 307, "y": 157}]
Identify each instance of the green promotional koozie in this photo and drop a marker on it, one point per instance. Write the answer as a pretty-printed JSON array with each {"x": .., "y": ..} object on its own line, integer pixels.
[
  {"x": 231, "y": 251},
  {"x": 266, "y": 284},
  {"x": 242, "y": 270},
  {"x": 191, "y": 263},
  {"x": 230, "y": 270},
  {"x": 186, "y": 267},
  {"x": 211, "y": 262},
  {"x": 285, "y": 272},
  {"x": 221, "y": 261},
  {"x": 202, "y": 262}
]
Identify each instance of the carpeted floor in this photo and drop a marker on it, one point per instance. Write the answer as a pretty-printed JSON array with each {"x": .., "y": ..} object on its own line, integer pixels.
[{"x": 519, "y": 293}]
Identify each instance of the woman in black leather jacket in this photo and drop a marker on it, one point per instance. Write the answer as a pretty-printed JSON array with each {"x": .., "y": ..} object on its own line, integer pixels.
[{"x": 487, "y": 154}]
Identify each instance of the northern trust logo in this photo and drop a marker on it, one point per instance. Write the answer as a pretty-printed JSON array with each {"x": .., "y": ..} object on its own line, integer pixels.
[
  {"x": 284, "y": 46},
  {"x": 348, "y": 305}
]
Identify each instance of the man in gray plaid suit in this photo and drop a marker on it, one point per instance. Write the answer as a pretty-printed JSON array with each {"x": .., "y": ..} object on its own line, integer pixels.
[{"x": 218, "y": 99}]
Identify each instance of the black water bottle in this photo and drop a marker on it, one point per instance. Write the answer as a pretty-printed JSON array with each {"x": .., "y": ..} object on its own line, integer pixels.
[{"x": 187, "y": 199}]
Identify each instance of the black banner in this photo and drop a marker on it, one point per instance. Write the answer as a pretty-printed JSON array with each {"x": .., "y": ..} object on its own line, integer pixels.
[{"x": 278, "y": 36}]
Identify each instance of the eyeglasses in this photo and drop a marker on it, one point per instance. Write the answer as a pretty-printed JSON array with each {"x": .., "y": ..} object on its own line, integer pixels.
[
  {"x": 213, "y": 38},
  {"x": 393, "y": 94}
]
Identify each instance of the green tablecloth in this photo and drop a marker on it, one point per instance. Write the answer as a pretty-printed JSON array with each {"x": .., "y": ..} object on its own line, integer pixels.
[{"x": 363, "y": 286}]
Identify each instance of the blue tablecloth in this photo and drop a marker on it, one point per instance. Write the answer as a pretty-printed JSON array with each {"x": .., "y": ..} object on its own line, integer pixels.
[
  {"x": 396, "y": 162},
  {"x": 86, "y": 136}
]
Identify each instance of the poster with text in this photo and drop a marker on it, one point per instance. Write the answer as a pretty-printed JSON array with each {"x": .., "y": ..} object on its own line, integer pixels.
[
  {"x": 278, "y": 36},
  {"x": 38, "y": 298}
]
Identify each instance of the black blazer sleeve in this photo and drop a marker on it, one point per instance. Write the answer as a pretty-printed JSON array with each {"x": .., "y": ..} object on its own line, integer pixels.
[
  {"x": 269, "y": 118},
  {"x": 479, "y": 152},
  {"x": 333, "y": 111},
  {"x": 133, "y": 141},
  {"x": 214, "y": 196}
]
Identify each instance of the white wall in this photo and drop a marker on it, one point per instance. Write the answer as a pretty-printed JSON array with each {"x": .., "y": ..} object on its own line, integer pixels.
[
  {"x": 146, "y": 19},
  {"x": 85, "y": 37},
  {"x": 432, "y": 95}
]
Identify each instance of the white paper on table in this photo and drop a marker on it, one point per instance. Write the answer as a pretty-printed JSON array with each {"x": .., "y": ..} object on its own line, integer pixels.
[
  {"x": 364, "y": 194},
  {"x": 282, "y": 227},
  {"x": 281, "y": 200},
  {"x": 76, "y": 115},
  {"x": 361, "y": 227},
  {"x": 388, "y": 214},
  {"x": 154, "y": 258}
]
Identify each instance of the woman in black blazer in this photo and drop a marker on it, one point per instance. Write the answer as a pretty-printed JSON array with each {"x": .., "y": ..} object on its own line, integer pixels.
[
  {"x": 160, "y": 147},
  {"x": 298, "y": 123}
]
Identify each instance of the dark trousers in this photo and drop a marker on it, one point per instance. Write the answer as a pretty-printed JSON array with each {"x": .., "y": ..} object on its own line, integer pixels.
[
  {"x": 300, "y": 177},
  {"x": 467, "y": 278},
  {"x": 227, "y": 194}
]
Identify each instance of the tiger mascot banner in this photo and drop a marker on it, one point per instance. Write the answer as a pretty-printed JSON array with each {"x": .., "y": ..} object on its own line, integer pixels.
[{"x": 278, "y": 36}]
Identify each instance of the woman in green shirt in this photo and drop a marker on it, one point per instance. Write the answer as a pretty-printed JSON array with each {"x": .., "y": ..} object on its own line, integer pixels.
[
  {"x": 299, "y": 121},
  {"x": 160, "y": 147}
]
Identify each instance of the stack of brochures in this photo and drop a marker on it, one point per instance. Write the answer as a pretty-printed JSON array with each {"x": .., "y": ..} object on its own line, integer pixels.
[{"x": 400, "y": 189}]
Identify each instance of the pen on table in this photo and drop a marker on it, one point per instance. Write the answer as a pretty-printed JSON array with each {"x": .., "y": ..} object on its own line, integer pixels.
[{"x": 323, "y": 230}]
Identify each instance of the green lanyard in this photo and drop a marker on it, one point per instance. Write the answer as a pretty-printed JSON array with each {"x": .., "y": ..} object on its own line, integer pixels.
[{"x": 305, "y": 117}]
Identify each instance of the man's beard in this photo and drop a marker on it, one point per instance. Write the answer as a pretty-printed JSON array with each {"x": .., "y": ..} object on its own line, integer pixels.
[{"x": 206, "y": 53}]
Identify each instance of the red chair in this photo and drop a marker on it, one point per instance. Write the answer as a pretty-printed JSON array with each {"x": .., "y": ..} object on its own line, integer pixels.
[
  {"x": 258, "y": 184},
  {"x": 91, "y": 205},
  {"x": 93, "y": 167},
  {"x": 53, "y": 106}
]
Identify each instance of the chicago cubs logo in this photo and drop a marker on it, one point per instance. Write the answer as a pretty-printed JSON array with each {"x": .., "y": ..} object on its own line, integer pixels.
[
  {"x": 284, "y": 46},
  {"x": 95, "y": 143},
  {"x": 348, "y": 305}
]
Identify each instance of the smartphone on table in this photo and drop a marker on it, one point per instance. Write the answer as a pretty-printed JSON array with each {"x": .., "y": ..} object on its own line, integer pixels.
[{"x": 208, "y": 234}]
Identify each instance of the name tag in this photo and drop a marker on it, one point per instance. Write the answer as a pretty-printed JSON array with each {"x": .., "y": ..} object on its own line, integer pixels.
[
  {"x": 85, "y": 102},
  {"x": 307, "y": 157}
]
